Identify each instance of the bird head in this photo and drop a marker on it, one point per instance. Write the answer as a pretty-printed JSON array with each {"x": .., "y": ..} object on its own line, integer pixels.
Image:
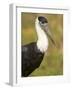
[{"x": 43, "y": 22}]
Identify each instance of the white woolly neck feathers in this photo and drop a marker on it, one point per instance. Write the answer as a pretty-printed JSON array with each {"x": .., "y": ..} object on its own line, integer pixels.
[{"x": 42, "y": 42}]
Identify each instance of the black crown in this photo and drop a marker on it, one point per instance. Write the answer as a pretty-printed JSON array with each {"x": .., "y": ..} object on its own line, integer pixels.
[{"x": 42, "y": 19}]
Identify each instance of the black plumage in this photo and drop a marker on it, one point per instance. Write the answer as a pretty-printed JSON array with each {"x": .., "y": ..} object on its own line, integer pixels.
[
  {"x": 31, "y": 58},
  {"x": 42, "y": 19}
]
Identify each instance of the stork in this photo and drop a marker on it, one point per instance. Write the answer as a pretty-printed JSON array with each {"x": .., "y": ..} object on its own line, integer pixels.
[{"x": 33, "y": 53}]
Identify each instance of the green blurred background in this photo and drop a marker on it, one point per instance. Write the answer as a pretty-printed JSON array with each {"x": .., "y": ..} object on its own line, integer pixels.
[{"x": 52, "y": 63}]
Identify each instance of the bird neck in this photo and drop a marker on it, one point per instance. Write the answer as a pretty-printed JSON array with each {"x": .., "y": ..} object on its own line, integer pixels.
[{"x": 42, "y": 42}]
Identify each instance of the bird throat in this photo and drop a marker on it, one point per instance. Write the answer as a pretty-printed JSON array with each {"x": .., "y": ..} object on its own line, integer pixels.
[{"x": 42, "y": 42}]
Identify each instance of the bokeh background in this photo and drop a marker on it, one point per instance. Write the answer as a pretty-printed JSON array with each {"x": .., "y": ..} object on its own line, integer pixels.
[{"x": 52, "y": 63}]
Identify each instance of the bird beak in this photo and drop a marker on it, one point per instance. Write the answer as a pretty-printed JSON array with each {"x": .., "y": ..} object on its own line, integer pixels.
[
  {"x": 51, "y": 38},
  {"x": 50, "y": 35}
]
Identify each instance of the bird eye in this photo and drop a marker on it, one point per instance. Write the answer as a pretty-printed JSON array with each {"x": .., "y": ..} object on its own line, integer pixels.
[{"x": 43, "y": 22}]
